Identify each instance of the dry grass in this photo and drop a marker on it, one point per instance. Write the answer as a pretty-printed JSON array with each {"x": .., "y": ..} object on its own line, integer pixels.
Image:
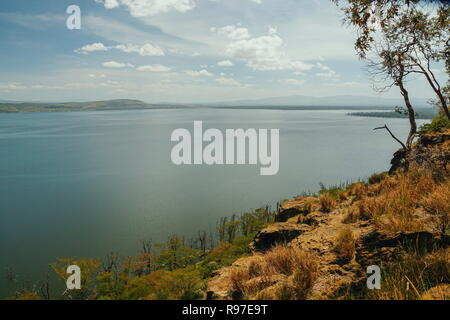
[
  {"x": 327, "y": 202},
  {"x": 357, "y": 190},
  {"x": 283, "y": 273},
  {"x": 377, "y": 178},
  {"x": 399, "y": 203},
  {"x": 351, "y": 215},
  {"x": 345, "y": 243},
  {"x": 413, "y": 275},
  {"x": 438, "y": 205}
]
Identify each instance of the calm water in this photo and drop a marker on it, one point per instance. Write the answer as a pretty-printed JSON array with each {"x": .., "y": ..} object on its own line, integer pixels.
[{"x": 88, "y": 183}]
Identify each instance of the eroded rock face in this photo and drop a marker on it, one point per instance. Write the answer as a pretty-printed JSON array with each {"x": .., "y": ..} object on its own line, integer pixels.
[
  {"x": 376, "y": 246},
  {"x": 434, "y": 139},
  {"x": 295, "y": 207},
  {"x": 277, "y": 233}
]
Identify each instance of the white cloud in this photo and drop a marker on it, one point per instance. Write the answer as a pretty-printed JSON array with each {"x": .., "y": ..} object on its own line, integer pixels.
[
  {"x": 228, "y": 81},
  {"x": 145, "y": 50},
  {"x": 233, "y": 32},
  {"x": 98, "y": 46},
  {"x": 327, "y": 73},
  {"x": 109, "y": 4},
  {"x": 225, "y": 63},
  {"x": 117, "y": 65},
  {"x": 262, "y": 53},
  {"x": 201, "y": 73},
  {"x": 154, "y": 68},
  {"x": 143, "y": 8},
  {"x": 11, "y": 86}
]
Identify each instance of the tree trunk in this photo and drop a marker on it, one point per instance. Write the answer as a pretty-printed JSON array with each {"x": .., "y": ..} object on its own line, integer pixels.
[{"x": 411, "y": 113}]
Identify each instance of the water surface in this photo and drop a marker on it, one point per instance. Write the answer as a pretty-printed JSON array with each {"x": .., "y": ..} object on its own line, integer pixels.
[{"x": 88, "y": 183}]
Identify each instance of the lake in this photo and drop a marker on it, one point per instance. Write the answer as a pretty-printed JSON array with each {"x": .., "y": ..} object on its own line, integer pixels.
[{"x": 89, "y": 183}]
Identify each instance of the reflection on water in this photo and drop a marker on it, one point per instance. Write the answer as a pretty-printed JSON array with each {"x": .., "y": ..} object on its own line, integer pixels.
[{"x": 88, "y": 183}]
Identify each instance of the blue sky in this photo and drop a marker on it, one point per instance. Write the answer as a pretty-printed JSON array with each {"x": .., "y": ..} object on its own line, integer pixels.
[{"x": 180, "y": 51}]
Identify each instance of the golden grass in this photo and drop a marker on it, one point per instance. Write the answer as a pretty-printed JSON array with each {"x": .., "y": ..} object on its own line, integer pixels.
[
  {"x": 400, "y": 203},
  {"x": 438, "y": 204},
  {"x": 345, "y": 243},
  {"x": 282, "y": 273},
  {"x": 413, "y": 275},
  {"x": 327, "y": 202}
]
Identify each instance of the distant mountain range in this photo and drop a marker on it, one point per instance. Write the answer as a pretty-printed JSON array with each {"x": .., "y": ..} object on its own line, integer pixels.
[
  {"x": 333, "y": 101},
  {"x": 281, "y": 103},
  {"x": 120, "y": 104}
]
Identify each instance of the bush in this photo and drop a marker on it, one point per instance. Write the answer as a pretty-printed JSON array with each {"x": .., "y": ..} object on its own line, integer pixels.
[
  {"x": 437, "y": 124},
  {"x": 377, "y": 178},
  {"x": 294, "y": 269},
  {"x": 345, "y": 243},
  {"x": 327, "y": 202}
]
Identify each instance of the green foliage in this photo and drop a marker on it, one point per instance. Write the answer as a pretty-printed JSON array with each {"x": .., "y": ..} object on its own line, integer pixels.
[
  {"x": 175, "y": 271},
  {"x": 174, "y": 254},
  {"x": 437, "y": 124},
  {"x": 334, "y": 191}
]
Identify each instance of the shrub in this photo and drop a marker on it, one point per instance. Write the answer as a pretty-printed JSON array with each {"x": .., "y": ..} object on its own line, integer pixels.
[
  {"x": 351, "y": 216},
  {"x": 345, "y": 243},
  {"x": 295, "y": 269},
  {"x": 377, "y": 178},
  {"x": 327, "y": 202},
  {"x": 437, "y": 124}
]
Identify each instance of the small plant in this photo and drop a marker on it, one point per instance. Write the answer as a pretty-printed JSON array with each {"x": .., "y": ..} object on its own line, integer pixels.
[
  {"x": 304, "y": 277},
  {"x": 377, "y": 178},
  {"x": 351, "y": 216},
  {"x": 436, "y": 125},
  {"x": 295, "y": 268},
  {"x": 345, "y": 243},
  {"x": 327, "y": 202}
]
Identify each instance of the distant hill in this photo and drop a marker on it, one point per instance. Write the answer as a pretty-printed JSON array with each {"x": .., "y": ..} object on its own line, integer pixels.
[
  {"x": 333, "y": 101},
  {"x": 279, "y": 103},
  {"x": 120, "y": 104},
  {"x": 10, "y": 101}
]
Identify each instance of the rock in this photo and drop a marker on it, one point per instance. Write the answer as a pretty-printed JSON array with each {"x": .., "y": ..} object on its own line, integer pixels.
[
  {"x": 399, "y": 161},
  {"x": 377, "y": 246},
  {"x": 277, "y": 233},
  {"x": 220, "y": 287},
  {"x": 434, "y": 139},
  {"x": 295, "y": 207}
]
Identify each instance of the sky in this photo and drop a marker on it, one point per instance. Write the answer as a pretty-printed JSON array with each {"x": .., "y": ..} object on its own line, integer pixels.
[{"x": 182, "y": 51}]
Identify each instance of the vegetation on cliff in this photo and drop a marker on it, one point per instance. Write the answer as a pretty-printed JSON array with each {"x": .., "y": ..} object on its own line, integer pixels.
[{"x": 399, "y": 222}]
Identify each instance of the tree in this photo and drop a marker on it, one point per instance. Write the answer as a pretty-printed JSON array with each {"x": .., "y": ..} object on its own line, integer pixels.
[
  {"x": 392, "y": 64},
  {"x": 406, "y": 22},
  {"x": 405, "y": 39}
]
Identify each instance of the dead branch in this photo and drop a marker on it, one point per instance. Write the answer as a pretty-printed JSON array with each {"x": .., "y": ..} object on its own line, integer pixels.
[{"x": 392, "y": 135}]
